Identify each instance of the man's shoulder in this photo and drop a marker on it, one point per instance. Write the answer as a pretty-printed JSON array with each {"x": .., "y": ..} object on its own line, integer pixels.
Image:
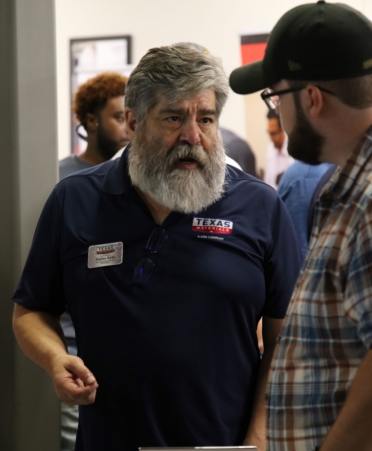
[
  {"x": 299, "y": 171},
  {"x": 232, "y": 141},
  {"x": 67, "y": 162},
  {"x": 70, "y": 165},
  {"x": 246, "y": 186},
  {"x": 92, "y": 175},
  {"x": 233, "y": 175}
]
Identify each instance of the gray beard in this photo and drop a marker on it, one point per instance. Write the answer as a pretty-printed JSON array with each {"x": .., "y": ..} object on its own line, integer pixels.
[{"x": 152, "y": 168}]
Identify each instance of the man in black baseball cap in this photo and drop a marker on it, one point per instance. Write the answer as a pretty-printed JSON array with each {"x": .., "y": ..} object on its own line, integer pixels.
[
  {"x": 317, "y": 71},
  {"x": 322, "y": 41}
]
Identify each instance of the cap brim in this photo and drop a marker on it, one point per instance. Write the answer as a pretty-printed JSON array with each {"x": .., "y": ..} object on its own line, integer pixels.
[{"x": 248, "y": 79}]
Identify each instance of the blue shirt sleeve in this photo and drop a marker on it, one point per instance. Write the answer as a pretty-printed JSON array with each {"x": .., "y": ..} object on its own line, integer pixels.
[{"x": 296, "y": 189}]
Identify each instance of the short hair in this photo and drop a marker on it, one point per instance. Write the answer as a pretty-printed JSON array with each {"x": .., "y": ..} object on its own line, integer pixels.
[
  {"x": 355, "y": 92},
  {"x": 175, "y": 72},
  {"x": 272, "y": 114},
  {"x": 198, "y": 47},
  {"x": 92, "y": 96}
]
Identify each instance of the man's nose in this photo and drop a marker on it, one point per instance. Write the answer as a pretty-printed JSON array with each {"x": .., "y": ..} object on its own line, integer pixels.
[{"x": 190, "y": 133}]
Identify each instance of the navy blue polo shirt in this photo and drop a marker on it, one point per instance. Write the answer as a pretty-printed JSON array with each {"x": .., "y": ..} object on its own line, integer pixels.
[{"x": 176, "y": 358}]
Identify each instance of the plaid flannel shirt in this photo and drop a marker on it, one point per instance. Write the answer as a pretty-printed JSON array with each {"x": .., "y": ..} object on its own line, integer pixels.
[{"x": 328, "y": 328}]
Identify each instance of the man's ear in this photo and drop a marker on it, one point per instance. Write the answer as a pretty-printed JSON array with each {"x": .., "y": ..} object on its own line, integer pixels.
[
  {"x": 91, "y": 122},
  {"x": 313, "y": 101},
  {"x": 131, "y": 121}
]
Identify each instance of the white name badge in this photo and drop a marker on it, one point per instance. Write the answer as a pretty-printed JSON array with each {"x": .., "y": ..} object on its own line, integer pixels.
[{"x": 105, "y": 255}]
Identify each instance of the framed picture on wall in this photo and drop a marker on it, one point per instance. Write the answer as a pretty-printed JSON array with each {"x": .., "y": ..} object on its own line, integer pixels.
[
  {"x": 88, "y": 58},
  {"x": 252, "y": 48}
]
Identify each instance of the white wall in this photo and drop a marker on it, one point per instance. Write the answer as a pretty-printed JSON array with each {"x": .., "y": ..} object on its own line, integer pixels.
[{"x": 216, "y": 24}]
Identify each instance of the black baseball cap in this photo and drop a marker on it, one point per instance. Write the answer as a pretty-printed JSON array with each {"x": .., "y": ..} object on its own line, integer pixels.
[{"x": 312, "y": 42}]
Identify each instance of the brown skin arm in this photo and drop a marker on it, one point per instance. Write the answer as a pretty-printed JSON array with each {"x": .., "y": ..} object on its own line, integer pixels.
[
  {"x": 257, "y": 429},
  {"x": 353, "y": 427},
  {"x": 41, "y": 339}
]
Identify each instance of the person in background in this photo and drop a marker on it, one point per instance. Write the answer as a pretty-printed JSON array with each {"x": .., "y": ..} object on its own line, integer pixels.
[
  {"x": 239, "y": 150},
  {"x": 318, "y": 71},
  {"x": 167, "y": 258},
  {"x": 296, "y": 188},
  {"x": 99, "y": 108},
  {"x": 277, "y": 158}
]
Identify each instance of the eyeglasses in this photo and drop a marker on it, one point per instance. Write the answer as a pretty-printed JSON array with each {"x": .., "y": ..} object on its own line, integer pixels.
[
  {"x": 143, "y": 270},
  {"x": 272, "y": 98}
]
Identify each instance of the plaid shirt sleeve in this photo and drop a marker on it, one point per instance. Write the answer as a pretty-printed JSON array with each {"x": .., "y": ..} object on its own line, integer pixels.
[{"x": 358, "y": 290}]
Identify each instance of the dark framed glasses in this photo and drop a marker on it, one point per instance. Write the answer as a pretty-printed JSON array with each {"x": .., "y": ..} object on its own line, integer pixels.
[
  {"x": 143, "y": 270},
  {"x": 272, "y": 98}
]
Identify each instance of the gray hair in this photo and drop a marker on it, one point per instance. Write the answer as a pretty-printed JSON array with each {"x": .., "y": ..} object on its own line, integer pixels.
[{"x": 175, "y": 72}]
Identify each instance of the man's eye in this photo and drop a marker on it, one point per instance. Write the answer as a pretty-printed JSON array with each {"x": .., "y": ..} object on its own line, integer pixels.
[
  {"x": 173, "y": 118},
  {"x": 120, "y": 119},
  {"x": 207, "y": 120}
]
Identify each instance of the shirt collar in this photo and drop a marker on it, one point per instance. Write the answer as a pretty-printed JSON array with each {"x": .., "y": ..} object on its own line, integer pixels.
[{"x": 349, "y": 174}]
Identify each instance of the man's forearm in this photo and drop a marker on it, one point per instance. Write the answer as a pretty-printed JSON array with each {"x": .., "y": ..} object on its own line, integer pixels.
[
  {"x": 353, "y": 427},
  {"x": 39, "y": 336},
  {"x": 257, "y": 428},
  {"x": 41, "y": 339}
]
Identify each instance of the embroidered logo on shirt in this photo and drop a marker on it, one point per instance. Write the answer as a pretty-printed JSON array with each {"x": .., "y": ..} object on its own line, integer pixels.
[{"x": 208, "y": 225}]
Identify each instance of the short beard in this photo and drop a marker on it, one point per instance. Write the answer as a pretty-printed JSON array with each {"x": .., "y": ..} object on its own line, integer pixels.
[
  {"x": 106, "y": 146},
  {"x": 152, "y": 168},
  {"x": 304, "y": 143}
]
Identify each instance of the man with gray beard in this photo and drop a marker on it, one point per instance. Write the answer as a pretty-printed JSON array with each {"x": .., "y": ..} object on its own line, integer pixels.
[
  {"x": 167, "y": 259},
  {"x": 170, "y": 185}
]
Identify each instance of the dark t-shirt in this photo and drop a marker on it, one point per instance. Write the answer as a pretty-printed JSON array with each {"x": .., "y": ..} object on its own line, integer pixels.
[{"x": 176, "y": 359}]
